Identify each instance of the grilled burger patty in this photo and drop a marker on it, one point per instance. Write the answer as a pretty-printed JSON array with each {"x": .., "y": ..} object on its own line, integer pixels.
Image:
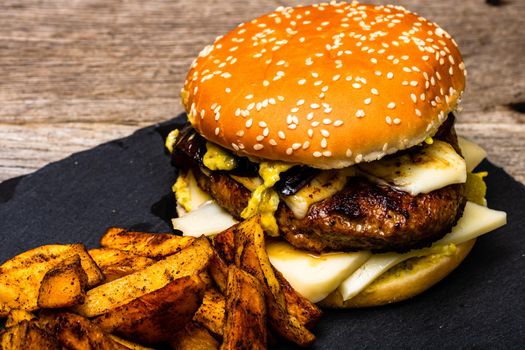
[{"x": 362, "y": 216}]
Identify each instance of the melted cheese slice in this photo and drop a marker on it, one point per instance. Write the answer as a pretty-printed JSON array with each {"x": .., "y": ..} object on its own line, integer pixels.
[
  {"x": 433, "y": 167},
  {"x": 314, "y": 276},
  {"x": 476, "y": 221},
  {"x": 323, "y": 186}
]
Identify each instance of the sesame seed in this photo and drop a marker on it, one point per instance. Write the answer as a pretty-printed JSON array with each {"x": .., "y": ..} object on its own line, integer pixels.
[
  {"x": 300, "y": 102},
  {"x": 358, "y": 158},
  {"x": 397, "y": 121},
  {"x": 228, "y": 90},
  {"x": 280, "y": 98},
  {"x": 413, "y": 97},
  {"x": 217, "y": 130},
  {"x": 249, "y": 123},
  {"x": 348, "y": 152},
  {"x": 413, "y": 83},
  {"x": 422, "y": 97},
  {"x": 240, "y": 133},
  {"x": 389, "y": 75},
  {"x": 374, "y": 91},
  {"x": 317, "y": 154},
  {"x": 360, "y": 113},
  {"x": 338, "y": 122},
  {"x": 266, "y": 83},
  {"x": 314, "y": 106},
  {"x": 391, "y": 105},
  {"x": 324, "y": 143},
  {"x": 325, "y": 133},
  {"x": 327, "y": 153},
  {"x": 388, "y": 120},
  {"x": 310, "y": 133},
  {"x": 368, "y": 101},
  {"x": 296, "y": 146},
  {"x": 301, "y": 82},
  {"x": 259, "y": 138},
  {"x": 356, "y": 85},
  {"x": 306, "y": 144},
  {"x": 258, "y": 147},
  {"x": 336, "y": 77},
  {"x": 272, "y": 142},
  {"x": 292, "y": 126}
]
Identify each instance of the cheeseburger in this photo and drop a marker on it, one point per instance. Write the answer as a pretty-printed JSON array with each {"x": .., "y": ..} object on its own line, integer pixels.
[{"x": 334, "y": 123}]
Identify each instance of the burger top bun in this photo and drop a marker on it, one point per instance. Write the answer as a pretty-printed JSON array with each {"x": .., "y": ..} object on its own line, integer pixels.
[{"x": 327, "y": 85}]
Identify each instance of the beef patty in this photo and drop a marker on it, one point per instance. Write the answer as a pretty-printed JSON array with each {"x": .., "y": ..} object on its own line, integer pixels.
[{"x": 362, "y": 216}]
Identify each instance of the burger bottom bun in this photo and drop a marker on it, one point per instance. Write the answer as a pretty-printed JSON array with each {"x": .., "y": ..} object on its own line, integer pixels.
[{"x": 403, "y": 281}]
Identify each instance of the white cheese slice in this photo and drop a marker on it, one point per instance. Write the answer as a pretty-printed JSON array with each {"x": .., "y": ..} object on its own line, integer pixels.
[
  {"x": 476, "y": 221},
  {"x": 323, "y": 186},
  {"x": 208, "y": 219},
  {"x": 434, "y": 167},
  {"x": 472, "y": 153},
  {"x": 313, "y": 276}
]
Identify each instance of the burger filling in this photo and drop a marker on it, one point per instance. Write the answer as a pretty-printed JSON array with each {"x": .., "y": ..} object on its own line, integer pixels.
[{"x": 292, "y": 196}]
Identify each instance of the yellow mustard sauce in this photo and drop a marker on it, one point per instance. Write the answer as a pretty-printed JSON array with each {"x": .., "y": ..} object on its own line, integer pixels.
[
  {"x": 264, "y": 200},
  {"x": 182, "y": 191},
  {"x": 475, "y": 188},
  {"x": 171, "y": 139},
  {"x": 217, "y": 158}
]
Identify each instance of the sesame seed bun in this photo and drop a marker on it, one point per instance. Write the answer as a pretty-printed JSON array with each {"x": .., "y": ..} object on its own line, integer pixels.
[
  {"x": 325, "y": 85},
  {"x": 403, "y": 281}
]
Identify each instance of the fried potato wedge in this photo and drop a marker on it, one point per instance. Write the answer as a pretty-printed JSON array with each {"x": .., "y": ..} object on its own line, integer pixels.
[
  {"x": 152, "y": 245},
  {"x": 116, "y": 263},
  {"x": 16, "y": 316},
  {"x": 212, "y": 311},
  {"x": 75, "y": 332},
  {"x": 64, "y": 285},
  {"x": 155, "y": 317},
  {"x": 20, "y": 277},
  {"x": 27, "y": 335},
  {"x": 190, "y": 261},
  {"x": 126, "y": 344},
  {"x": 289, "y": 321},
  {"x": 245, "y": 326},
  {"x": 306, "y": 312},
  {"x": 194, "y": 337}
]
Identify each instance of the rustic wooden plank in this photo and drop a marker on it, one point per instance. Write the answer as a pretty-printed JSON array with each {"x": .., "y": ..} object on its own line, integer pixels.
[{"x": 84, "y": 72}]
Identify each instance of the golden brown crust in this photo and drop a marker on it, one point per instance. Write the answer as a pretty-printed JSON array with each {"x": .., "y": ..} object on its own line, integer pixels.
[
  {"x": 325, "y": 85},
  {"x": 423, "y": 274}
]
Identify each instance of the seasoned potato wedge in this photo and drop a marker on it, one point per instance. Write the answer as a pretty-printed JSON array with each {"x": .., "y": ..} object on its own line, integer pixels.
[
  {"x": 27, "y": 335},
  {"x": 194, "y": 337},
  {"x": 247, "y": 246},
  {"x": 126, "y": 344},
  {"x": 16, "y": 316},
  {"x": 245, "y": 326},
  {"x": 190, "y": 261},
  {"x": 64, "y": 285},
  {"x": 152, "y": 245},
  {"x": 154, "y": 317},
  {"x": 116, "y": 263},
  {"x": 20, "y": 277},
  {"x": 212, "y": 311},
  {"x": 75, "y": 332}
]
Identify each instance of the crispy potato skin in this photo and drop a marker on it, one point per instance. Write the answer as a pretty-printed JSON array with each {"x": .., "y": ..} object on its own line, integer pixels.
[
  {"x": 152, "y": 245},
  {"x": 21, "y": 276},
  {"x": 27, "y": 335},
  {"x": 245, "y": 326},
  {"x": 194, "y": 337},
  {"x": 288, "y": 312},
  {"x": 190, "y": 261},
  {"x": 154, "y": 317},
  {"x": 116, "y": 263},
  {"x": 16, "y": 316},
  {"x": 212, "y": 312},
  {"x": 64, "y": 285},
  {"x": 75, "y": 332}
]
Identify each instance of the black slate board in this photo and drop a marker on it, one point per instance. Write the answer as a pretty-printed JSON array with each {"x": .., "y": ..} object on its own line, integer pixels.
[{"x": 127, "y": 182}]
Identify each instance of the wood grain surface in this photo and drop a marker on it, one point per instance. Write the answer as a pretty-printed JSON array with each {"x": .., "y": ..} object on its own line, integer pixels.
[{"x": 74, "y": 74}]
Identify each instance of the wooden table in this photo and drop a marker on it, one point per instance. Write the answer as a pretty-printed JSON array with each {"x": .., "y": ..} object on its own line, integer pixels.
[{"x": 74, "y": 74}]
